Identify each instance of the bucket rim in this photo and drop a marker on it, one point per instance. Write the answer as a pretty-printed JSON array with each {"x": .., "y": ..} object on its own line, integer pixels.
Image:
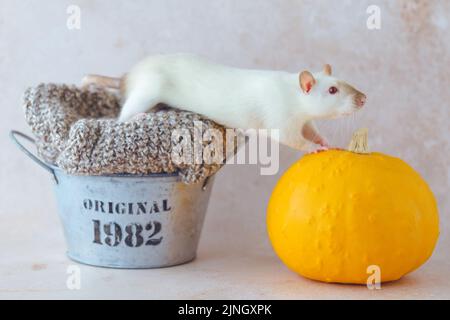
[
  {"x": 60, "y": 171},
  {"x": 55, "y": 170}
]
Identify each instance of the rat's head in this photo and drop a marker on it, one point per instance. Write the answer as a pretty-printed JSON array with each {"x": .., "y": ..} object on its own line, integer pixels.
[{"x": 328, "y": 97}]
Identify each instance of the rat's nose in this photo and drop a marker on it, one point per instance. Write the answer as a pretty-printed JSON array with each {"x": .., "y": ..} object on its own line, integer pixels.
[{"x": 360, "y": 100}]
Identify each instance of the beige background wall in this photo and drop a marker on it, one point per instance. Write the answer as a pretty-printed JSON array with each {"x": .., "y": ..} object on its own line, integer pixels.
[{"x": 403, "y": 68}]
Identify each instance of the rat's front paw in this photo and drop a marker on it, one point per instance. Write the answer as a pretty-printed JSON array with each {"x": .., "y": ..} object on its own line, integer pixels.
[
  {"x": 325, "y": 148},
  {"x": 321, "y": 141},
  {"x": 320, "y": 149}
]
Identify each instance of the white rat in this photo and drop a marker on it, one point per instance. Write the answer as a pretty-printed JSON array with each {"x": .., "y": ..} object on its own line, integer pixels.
[{"x": 237, "y": 98}]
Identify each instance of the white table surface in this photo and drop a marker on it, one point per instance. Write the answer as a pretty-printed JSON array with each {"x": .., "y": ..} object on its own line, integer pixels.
[{"x": 235, "y": 261}]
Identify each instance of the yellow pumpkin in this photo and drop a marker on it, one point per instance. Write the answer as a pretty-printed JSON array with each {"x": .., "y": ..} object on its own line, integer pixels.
[{"x": 336, "y": 214}]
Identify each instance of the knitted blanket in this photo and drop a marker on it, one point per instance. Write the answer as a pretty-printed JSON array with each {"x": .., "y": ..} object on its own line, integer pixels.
[{"x": 76, "y": 130}]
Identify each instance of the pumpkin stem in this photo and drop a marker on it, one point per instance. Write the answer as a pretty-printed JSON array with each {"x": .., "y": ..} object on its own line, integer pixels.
[{"x": 359, "y": 144}]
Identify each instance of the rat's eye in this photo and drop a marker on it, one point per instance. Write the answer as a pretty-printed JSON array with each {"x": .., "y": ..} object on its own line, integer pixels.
[{"x": 333, "y": 90}]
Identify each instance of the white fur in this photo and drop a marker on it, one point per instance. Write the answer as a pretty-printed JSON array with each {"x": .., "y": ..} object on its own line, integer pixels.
[{"x": 236, "y": 98}]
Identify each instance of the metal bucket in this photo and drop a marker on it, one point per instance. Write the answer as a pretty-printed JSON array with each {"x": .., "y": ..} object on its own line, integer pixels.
[{"x": 128, "y": 221}]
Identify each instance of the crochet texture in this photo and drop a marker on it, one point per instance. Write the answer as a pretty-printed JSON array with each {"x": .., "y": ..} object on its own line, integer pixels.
[{"x": 76, "y": 130}]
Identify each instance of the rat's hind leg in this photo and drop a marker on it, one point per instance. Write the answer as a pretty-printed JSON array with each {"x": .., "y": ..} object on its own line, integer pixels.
[{"x": 137, "y": 102}]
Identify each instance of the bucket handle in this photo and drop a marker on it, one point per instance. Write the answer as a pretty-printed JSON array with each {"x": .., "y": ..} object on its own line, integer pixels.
[{"x": 13, "y": 135}]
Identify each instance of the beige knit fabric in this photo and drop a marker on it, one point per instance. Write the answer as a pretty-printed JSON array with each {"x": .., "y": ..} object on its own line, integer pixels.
[{"x": 76, "y": 130}]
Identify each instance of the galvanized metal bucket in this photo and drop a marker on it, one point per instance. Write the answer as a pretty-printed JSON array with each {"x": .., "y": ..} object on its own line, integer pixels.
[{"x": 128, "y": 221}]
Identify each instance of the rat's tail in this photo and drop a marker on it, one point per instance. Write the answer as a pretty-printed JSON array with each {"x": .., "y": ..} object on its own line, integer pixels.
[{"x": 103, "y": 81}]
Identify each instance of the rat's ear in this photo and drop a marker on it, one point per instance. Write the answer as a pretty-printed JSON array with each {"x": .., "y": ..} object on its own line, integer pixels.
[
  {"x": 307, "y": 81},
  {"x": 327, "y": 69}
]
